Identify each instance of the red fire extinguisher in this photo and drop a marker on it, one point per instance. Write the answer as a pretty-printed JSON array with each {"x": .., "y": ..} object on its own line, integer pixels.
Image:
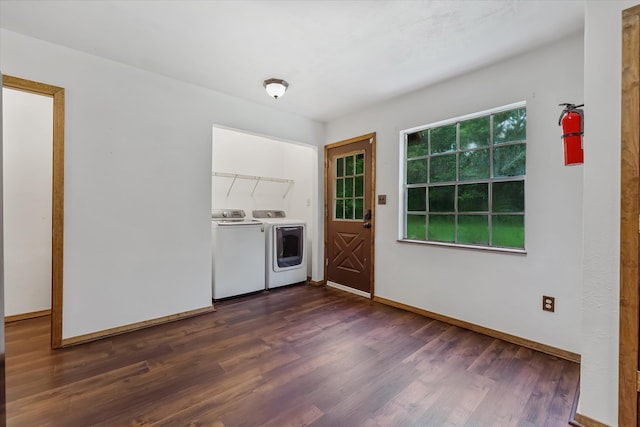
[{"x": 571, "y": 120}]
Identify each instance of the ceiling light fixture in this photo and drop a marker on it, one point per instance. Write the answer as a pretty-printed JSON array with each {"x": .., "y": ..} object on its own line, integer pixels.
[{"x": 275, "y": 87}]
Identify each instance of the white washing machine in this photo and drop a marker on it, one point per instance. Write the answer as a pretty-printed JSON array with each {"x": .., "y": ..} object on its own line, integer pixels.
[
  {"x": 285, "y": 248},
  {"x": 238, "y": 254}
]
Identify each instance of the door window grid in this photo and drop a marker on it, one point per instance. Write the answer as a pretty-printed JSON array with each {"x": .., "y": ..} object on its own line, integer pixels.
[
  {"x": 464, "y": 180},
  {"x": 349, "y": 182}
]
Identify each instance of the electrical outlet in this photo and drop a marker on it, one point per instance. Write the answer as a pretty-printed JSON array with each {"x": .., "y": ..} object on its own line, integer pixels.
[{"x": 548, "y": 303}]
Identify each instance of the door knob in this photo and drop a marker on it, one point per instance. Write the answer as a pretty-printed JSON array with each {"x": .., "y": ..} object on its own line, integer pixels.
[{"x": 367, "y": 219}]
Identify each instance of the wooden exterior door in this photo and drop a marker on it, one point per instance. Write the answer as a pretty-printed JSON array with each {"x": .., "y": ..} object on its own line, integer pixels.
[
  {"x": 629, "y": 368},
  {"x": 350, "y": 212}
]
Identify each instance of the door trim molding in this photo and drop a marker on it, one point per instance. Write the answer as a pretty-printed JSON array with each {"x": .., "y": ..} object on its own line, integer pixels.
[
  {"x": 629, "y": 220},
  {"x": 57, "y": 208},
  {"x": 372, "y": 137}
]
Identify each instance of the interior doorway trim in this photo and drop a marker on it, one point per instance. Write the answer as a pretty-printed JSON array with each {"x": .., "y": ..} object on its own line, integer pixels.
[
  {"x": 629, "y": 219},
  {"x": 57, "y": 208}
]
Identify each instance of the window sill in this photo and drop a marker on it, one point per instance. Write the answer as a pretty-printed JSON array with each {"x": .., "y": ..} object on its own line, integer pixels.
[{"x": 462, "y": 246}]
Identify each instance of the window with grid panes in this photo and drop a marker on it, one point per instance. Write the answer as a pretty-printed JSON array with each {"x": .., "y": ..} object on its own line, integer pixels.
[
  {"x": 464, "y": 180},
  {"x": 349, "y": 187}
]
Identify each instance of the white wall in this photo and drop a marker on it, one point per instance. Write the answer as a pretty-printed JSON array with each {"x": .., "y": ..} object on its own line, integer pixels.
[
  {"x": 496, "y": 290},
  {"x": 137, "y": 181},
  {"x": 27, "y": 168},
  {"x": 601, "y": 288},
  {"x": 241, "y": 153}
]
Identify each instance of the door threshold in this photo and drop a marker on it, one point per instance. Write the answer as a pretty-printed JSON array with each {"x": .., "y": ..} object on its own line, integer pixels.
[{"x": 348, "y": 289}]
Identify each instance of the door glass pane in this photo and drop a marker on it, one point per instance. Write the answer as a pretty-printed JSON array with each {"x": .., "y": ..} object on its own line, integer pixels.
[
  {"x": 359, "y": 208},
  {"x": 417, "y": 171},
  {"x": 340, "y": 166},
  {"x": 473, "y": 229},
  {"x": 510, "y": 160},
  {"x": 443, "y": 139},
  {"x": 417, "y": 199},
  {"x": 359, "y": 186},
  {"x": 339, "y": 209},
  {"x": 474, "y": 165},
  {"x": 508, "y": 196},
  {"x": 442, "y": 228},
  {"x": 360, "y": 164},
  {"x": 348, "y": 166},
  {"x": 340, "y": 187},
  {"x": 348, "y": 209},
  {"x": 417, "y": 227},
  {"x": 348, "y": 187},
  {"x": 473, "y": 198},
  {"x": 510, "y": 126},
  {"x": 475, "y": 133},
  {"x": 443, "y": 168},
  {"x": 508, "y": 231},
  {"x": 417, "y": 144},
  {"x": 442, "y": 199}
]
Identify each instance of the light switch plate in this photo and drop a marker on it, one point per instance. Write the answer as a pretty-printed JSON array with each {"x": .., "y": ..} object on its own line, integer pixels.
[{"x": 382, "y": 199}]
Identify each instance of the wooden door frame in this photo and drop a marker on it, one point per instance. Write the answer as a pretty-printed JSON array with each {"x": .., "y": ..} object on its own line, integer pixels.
[
  {"x": 327, "y": 204},
  {"x": 629, "y": 219},
  {"x": 57, "y": 208}
]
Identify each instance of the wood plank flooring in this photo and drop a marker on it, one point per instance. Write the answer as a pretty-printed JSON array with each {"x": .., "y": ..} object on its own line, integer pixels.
[{"x": 295, "y": 356}]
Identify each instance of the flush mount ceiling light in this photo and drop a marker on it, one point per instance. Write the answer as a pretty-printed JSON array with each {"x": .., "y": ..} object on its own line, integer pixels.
[{"x": 275, "y": 87}]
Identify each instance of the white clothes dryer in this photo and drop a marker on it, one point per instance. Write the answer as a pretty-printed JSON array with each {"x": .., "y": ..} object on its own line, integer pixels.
[
  {"x": 285, "y": 248},
  {"x": 238, "y": 254}
]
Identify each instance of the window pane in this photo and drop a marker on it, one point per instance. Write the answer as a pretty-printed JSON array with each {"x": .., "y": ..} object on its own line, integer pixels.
[
  {"x": 443, "y": 139},
  {"x": 348, "y": 209},
  {"x": 348, "y": 187},
  {"x": 359, "y": 164},
  {"x": 508, "y": 231},
  {"x": 417, "y": 171},
  {"x": 466, "y": 181},
  {"x": 417, "y": 144},
  {"x": 441, "y": 199},
  {"x": 510, "y": 126},
  {"x": 417, "y": 227},
  {"x": 340, "y": 187},
  {"x": 510, "y": 160},
  {"x": 359, "y": 186},
  {"x": 339, "y": 166},
  {"x": 359, "y": 208},
  {"x": 474, "y": 165},
  {"x": 339, "y": 209},
  {"x": 473, "y": 229},
  {"x": 442, "y": 228},
  {"x": 417, "y": 199},
  {"x": 348, "y": 166},
  {"x": 473, "y": 198},
  {"x": 443, "y": 168},
  {"x": 475, "y": 133},
  {"x": 508, "y": 196}
]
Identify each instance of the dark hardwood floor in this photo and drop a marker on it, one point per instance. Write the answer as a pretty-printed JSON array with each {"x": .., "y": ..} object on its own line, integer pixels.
[{"x": 297, "y": 356}]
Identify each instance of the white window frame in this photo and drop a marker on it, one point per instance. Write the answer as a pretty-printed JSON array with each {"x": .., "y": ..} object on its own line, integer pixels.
[{"x": 402, "y": 202}]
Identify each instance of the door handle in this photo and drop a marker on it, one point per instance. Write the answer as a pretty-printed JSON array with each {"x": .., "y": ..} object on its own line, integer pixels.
[{"x": 367, "y": 219}]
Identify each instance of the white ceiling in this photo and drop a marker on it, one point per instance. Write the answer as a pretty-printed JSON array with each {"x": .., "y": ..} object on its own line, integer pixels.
[{"x": 338, "y": 56}]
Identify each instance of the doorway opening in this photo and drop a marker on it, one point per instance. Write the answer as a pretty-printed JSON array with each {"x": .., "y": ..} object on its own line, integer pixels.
[
  {"x": 57, "y": 194},
  {"x": 260, "y": 172}
]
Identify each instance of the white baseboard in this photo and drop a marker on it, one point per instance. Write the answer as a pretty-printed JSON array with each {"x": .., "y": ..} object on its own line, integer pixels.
[{"x": 348, "y": 289}]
